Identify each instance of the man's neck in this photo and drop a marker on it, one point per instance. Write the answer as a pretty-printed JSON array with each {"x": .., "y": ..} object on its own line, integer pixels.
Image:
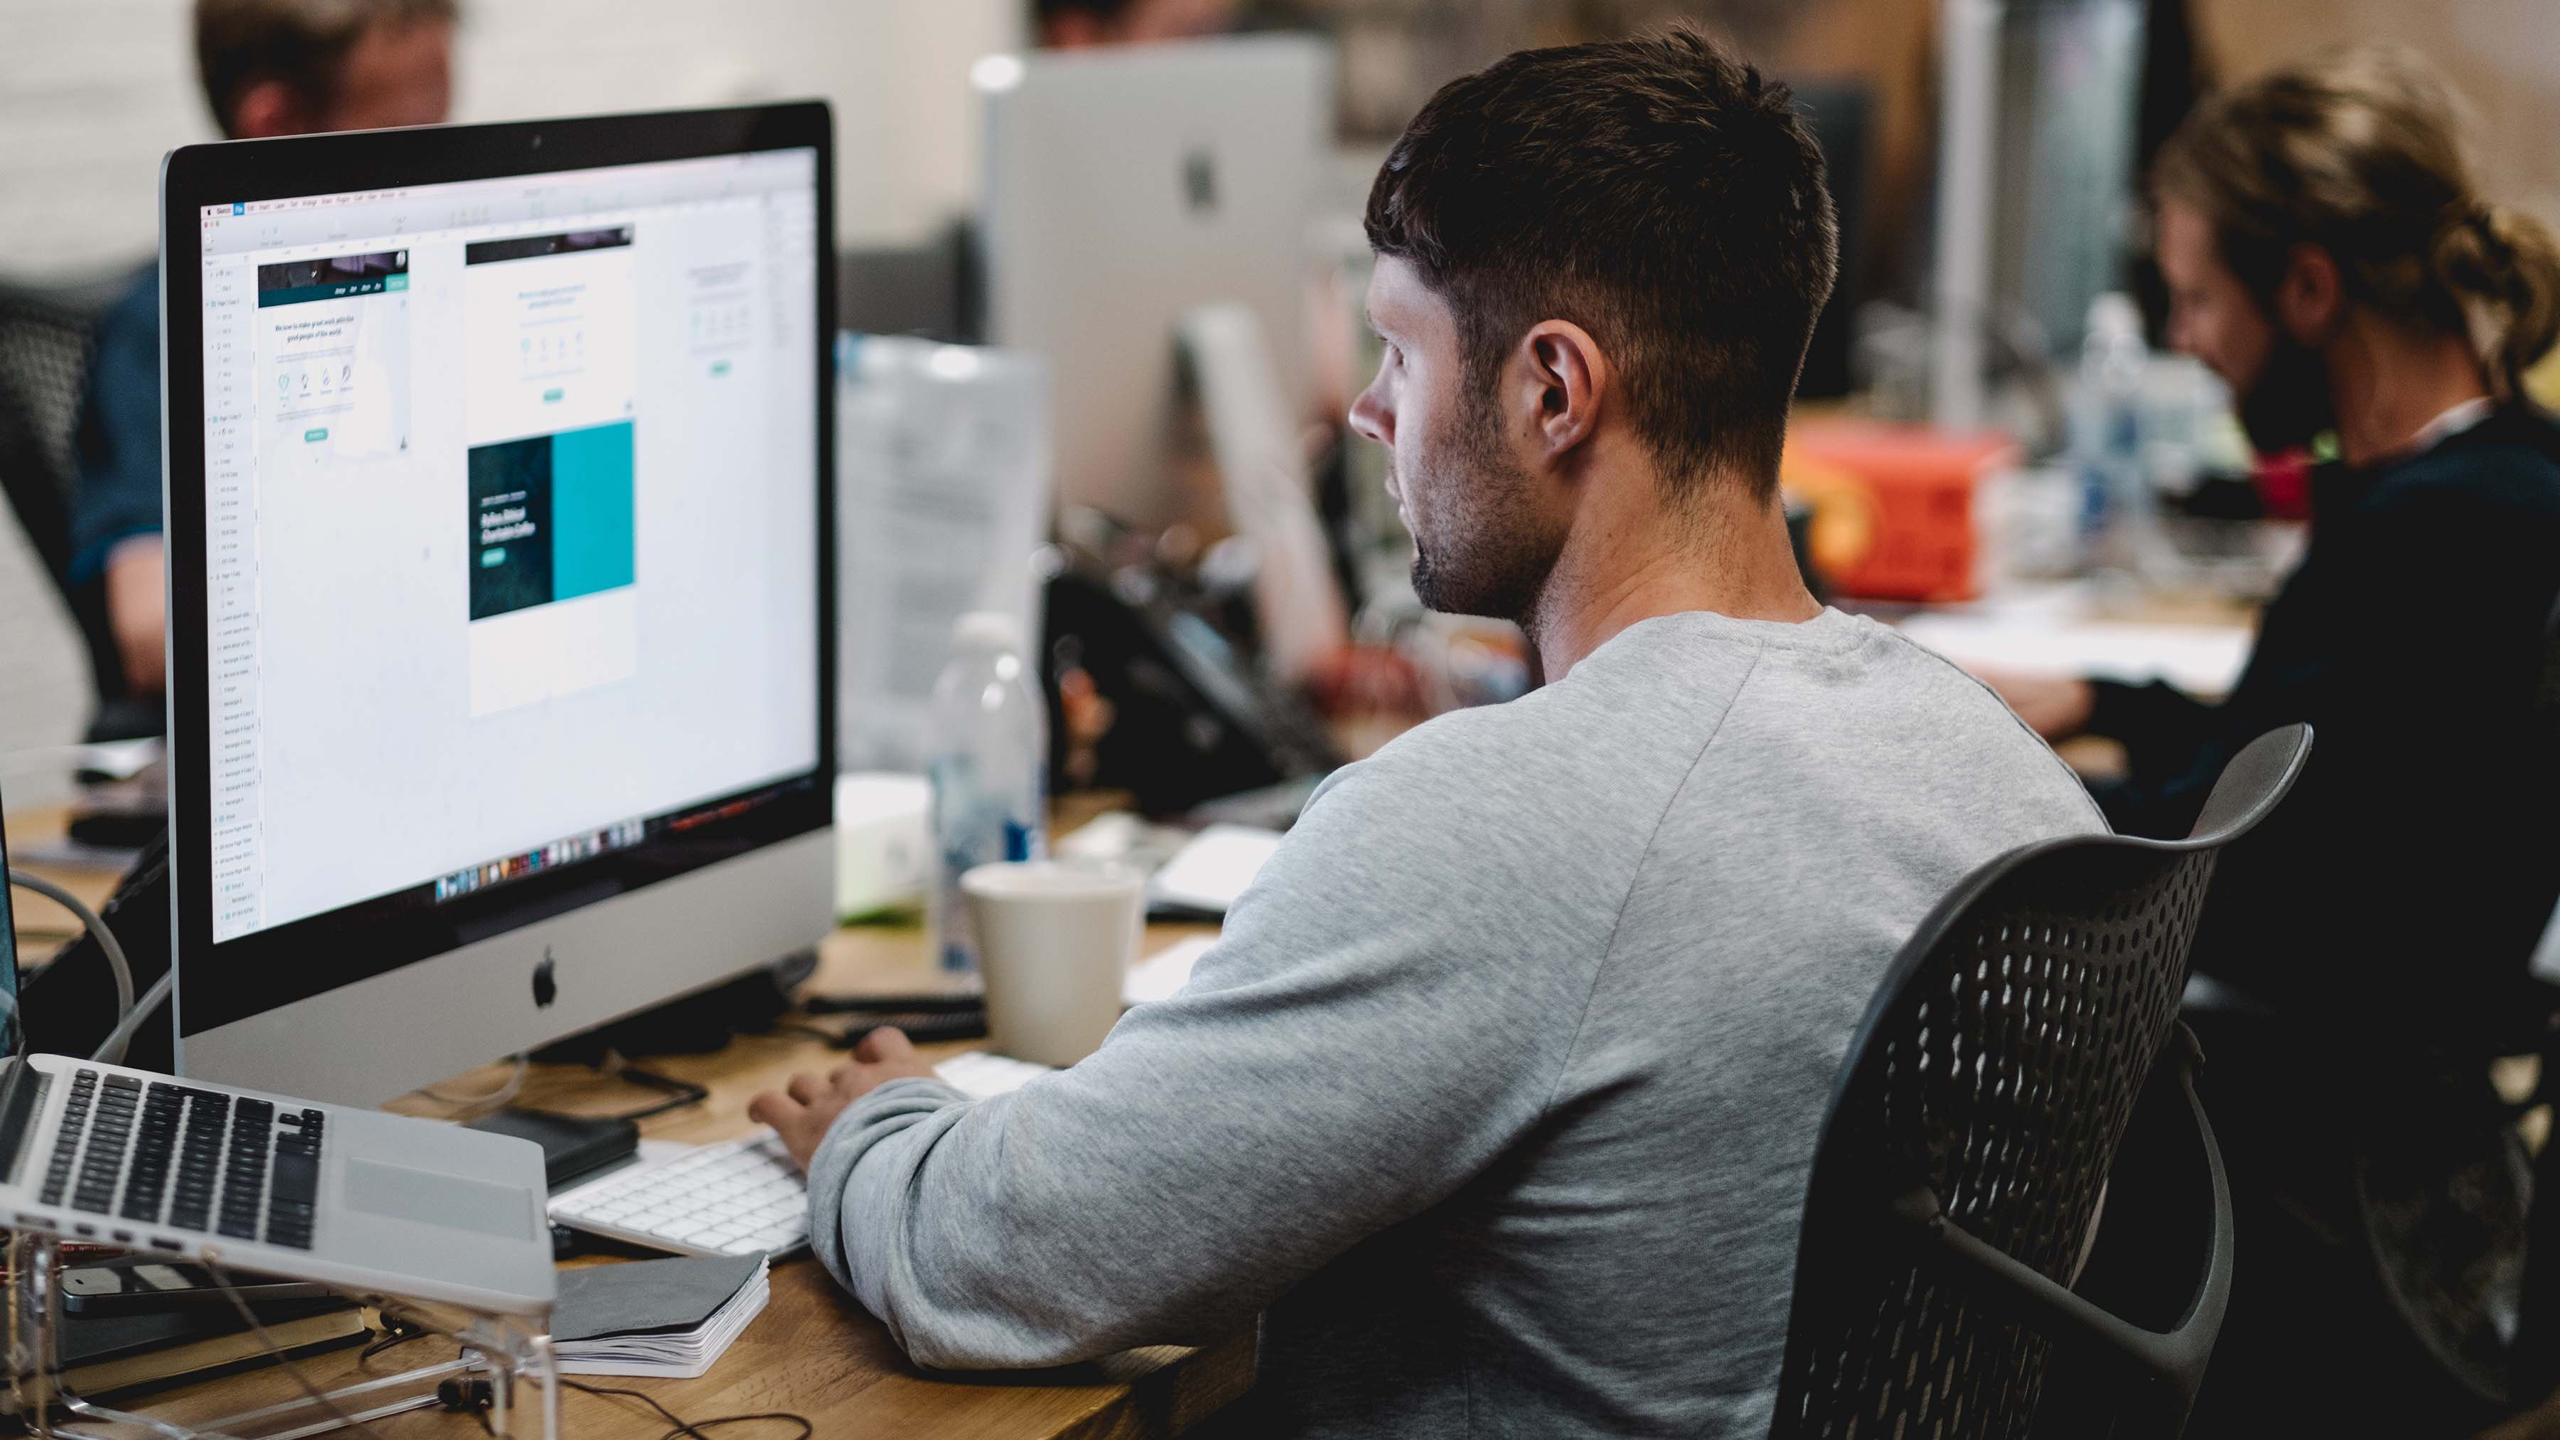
[
  {"x": 2388, "y": 383},
  {"x": 1733, "y": 558}
]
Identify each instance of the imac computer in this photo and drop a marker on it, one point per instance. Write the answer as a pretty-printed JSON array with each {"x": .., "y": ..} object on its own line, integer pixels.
[
  {"x": 1125, "y": 189},
  {"x": 500, "y": 539}
]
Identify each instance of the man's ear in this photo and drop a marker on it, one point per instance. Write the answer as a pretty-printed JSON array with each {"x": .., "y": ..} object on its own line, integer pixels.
[
  {"x": 1563, "y": 378},
  {"x": 2310, "y": 295},
  {"x": 266, "y": 109}
]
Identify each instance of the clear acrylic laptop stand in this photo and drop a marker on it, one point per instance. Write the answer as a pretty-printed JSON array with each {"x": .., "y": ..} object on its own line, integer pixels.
[{"x": 505, "y": 1350}]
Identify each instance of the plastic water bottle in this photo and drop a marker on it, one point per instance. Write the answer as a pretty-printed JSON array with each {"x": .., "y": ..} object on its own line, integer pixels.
[
  {"x": 989, "y": 743},
  {"x": 2106, "y": 435}
]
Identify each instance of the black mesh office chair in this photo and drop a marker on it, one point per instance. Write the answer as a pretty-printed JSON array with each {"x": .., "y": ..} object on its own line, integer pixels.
[
  {"x": 2532, "y": 1368},
  {"x": 2460, "y": 1223},
  {"x": 1959, "y": 1174},
  {"x": 44, "y": 366}
]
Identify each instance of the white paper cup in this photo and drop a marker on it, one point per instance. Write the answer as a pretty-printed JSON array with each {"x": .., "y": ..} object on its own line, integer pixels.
[{"x": 1054, "y": 946}]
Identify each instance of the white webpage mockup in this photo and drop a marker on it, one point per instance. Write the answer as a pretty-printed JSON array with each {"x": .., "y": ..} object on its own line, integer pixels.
[{"x": 537, "y": 558}]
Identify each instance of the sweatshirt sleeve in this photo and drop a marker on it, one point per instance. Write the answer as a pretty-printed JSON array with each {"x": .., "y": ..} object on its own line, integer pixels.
[
  {"x": 1389, "y": 1008},
  {"x": 117, "y": 446}
]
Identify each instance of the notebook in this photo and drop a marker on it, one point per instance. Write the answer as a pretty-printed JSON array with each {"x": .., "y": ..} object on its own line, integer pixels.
[{"x": 656, "y": 1317}]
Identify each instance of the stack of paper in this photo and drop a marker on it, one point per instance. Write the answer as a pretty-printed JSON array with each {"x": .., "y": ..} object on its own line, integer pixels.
[{"x": 655, "y": 1317}]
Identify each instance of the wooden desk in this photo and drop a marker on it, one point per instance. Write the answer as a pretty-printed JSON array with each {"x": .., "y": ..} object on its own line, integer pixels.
[
  {"x": 41, "y": 924},
  {"x": 813, "y": 1351}
]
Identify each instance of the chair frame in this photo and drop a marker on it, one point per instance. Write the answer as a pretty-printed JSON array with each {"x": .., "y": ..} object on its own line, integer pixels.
[{"x": 1870, "y": 1203}]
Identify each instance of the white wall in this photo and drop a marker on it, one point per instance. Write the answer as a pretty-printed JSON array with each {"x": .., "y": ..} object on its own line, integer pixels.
[
  {"x": 2501, "y": 56},
  {"x": 93, "y": 91},
  {"x": 44, "y": 673}
]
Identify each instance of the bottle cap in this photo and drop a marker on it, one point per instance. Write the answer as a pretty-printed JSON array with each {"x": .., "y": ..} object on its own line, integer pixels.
[
  {"x": 2114, "y": 314},
  {"x": 990, "y": 630}
]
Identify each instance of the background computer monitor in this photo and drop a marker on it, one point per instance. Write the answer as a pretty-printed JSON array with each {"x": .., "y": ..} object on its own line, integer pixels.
[
  {"x": 1124, "y": 188},
  {"x": 500, "y": 535}
]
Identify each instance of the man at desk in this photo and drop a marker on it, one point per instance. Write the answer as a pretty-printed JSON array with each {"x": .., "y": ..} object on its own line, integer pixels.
[
  {"x": 270, "y": 67},
  {"x": 2328, "y": 255},
  {"x": 1498, "y": 1097}
]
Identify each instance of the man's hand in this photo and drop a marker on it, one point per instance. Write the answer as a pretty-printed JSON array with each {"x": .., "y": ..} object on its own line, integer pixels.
[
  {"x": 2056, "y": 707},
  {"x": 802, "y": 1110},
  {"x": 137, "y": 611}
]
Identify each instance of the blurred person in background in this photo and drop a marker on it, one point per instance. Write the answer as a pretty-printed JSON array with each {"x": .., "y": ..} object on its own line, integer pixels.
[
  {"x": 1082, "y": 24},
  {"x": 270, "y": 67},
  {"x": 2328, "y": 255}
]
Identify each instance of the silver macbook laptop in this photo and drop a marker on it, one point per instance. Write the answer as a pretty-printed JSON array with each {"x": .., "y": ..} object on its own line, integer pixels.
[{"x": 352, "y": 1198}]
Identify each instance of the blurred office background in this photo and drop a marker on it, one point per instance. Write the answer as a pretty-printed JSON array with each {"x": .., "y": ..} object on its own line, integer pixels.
[{"x": 93, "y": 91}]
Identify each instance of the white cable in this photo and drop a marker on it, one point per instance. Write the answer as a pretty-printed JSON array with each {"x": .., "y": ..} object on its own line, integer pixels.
[
  {"x": 98, "y": 931},
  {"x": 111, "y": 1050}
]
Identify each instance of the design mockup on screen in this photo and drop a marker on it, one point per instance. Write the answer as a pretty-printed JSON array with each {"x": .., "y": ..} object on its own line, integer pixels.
[{"x": 508, "y": 510}]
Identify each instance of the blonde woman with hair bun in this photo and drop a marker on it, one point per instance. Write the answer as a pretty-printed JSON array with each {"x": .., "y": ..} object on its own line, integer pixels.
[{"x": 2330, "y": 254}]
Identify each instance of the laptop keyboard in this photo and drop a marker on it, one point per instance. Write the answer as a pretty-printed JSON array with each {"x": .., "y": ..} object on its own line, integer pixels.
[{"x": 156, "y": 1152}]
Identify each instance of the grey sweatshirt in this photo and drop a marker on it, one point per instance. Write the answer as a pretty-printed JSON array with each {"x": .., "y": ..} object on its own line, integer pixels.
[{"x": 1497, "y": 1097}]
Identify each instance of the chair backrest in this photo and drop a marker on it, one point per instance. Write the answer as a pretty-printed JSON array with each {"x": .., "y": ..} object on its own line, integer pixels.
[
  {"x": 46, "y": 343},
  {"x": 44, "y": 367},
  {"x": 1984, "y": 1096}
]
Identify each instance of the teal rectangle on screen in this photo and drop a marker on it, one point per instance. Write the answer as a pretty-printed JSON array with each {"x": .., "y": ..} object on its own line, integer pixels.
[{"x": 591, "y": 506}]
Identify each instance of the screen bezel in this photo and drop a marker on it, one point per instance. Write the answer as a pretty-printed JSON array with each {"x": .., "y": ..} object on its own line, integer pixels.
[
  {"x": 13, "y": 1027},
  {"x": 277, "y": 966}
]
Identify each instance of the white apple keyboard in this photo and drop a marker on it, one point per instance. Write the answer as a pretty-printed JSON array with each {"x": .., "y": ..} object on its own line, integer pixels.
[{"x": 735, "y": 1197}]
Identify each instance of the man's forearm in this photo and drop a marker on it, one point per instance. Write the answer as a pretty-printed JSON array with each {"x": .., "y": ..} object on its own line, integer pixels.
[{"x": 867, "y": 1237}]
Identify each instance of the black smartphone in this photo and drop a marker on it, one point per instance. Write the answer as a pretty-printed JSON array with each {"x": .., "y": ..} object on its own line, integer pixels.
[{"x": 138, "y": 1284}]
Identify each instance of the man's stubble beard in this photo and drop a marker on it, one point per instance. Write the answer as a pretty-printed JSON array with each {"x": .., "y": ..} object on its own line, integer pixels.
[{"x": 1496, "y": 561}]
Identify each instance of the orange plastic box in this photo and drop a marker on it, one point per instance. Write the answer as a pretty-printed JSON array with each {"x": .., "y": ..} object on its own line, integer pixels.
[{"x": 1896, "y": 508}]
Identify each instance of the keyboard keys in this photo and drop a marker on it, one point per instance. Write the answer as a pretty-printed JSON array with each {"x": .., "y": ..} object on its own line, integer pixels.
[
  {"x": 730, "y": 1199},
  {"x": 199, "y": 1159},
  {"x": 296, "y": 1192},
  {"x": 244, "y": 1170},
  {"x": 66, "y": 1145},
  {"x": 110, "y": 1132},
  {"x": 131, "y": 1147},
  {"x": 155, "y": 1150}
]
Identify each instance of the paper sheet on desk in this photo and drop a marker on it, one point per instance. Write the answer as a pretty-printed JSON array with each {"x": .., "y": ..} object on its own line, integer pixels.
[
  {"x": 1160, "y": 975},
  {"x": 1210, "y": 872},
  {"x": 2200, "y": 659}
]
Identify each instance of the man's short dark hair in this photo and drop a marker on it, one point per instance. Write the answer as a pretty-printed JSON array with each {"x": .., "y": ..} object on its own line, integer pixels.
[
  {"x": 1660, "y": 193},
  {"x": 243, "y": 43}
]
